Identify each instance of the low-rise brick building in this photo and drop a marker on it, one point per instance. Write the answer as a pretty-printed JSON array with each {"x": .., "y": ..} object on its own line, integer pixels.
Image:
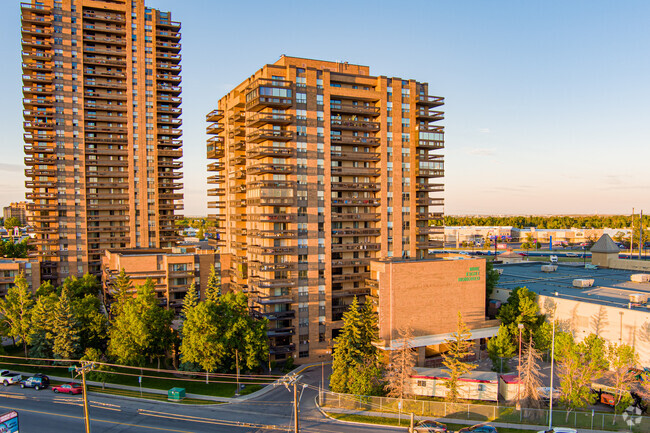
[{"x": 11, "y": 268}]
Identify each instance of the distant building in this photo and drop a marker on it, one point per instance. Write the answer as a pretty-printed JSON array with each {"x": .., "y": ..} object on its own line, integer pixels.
[
  {"x": 463, "y": 234},
  {"x": 611, "y": 303},
  {"x": 16, "y": 210},
  {"x": 11, "y": 268},
  {"x": 427, "y": 296},
  {"x": 172, "y": 270}
]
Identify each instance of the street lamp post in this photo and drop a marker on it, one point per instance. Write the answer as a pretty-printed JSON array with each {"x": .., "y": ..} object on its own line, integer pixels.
[
  {"x": 550, "y": 401},
  {"x": 521, "y": 327}
]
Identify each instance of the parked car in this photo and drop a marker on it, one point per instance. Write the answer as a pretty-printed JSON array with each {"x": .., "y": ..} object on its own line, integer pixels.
[
  {"x": 8, "y": 378},
  {"x": 426, "y": 426},
  {"x": 559, "y": 430},
  {"x": 479, "y": 428},
  {"x": 37, "y": 381},
  {"x": 571, "y": 254},
  {"x": 68, "y": 388}
]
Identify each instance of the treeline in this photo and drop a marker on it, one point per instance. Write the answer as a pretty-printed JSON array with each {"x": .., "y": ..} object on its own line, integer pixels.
[
  {"x": 19, "y": 250},
  {"x": 548, "y": 222},
  {"x": 71, "y": 322}
]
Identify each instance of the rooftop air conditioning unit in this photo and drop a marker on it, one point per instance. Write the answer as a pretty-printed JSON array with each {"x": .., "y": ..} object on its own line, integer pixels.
[
  {"x": 640, "y": 278},
  {"x": 581, "y": 283},
  {"x": 638, "y": 298},
  {"x": 549, "y": 268}
]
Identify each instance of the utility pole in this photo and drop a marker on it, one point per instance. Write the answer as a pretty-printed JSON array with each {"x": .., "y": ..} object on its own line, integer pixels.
[
  {"x": 237, "y": 363},
  {"x": 521, "y": 327},
  {"x": 85, "y": 367},
  {"x": 550, "y": 401},
  {"x": 295, "y": 408},
  {"x": 632, "y": 235},
  {"x": 640, "y": 233}
]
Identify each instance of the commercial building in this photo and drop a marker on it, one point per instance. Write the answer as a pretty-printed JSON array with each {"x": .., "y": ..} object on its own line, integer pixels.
[
  {"x": 611, "y": 303},
  {"x": 16, "y": 210},
  {"x": 426, "y": 296},
  {"x": 318, "y": 168},
  {"x": 101, "y": 88},
  {"x": 474, "y": 385},
  {"x": 11, "y": 268},
  {"x": 172, "y": 270}
]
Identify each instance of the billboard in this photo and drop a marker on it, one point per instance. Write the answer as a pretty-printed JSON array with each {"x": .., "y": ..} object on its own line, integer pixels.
[{"x": 9, "y": 422}]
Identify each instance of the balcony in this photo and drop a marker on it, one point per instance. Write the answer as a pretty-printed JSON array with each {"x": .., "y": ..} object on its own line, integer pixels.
[
  {"x": 260, "y": 119},
  {"x": 214, "y": 116},
  {"x": 272, "y": 284},
  {"x": 355, "y": 186},
  {"x": 167, "y": 88},
  {"x": 170, "y": 132},
  {"x": 355, "y": 156},
  {"x": 429, "y": 115},
  {"x": 172, "y": 153},
  {"x": 277, "y": 250},
  {"x": 351, "y": 277},
  {"x": 430, "y": 187},
  {"x": 258, "y": 103},
  {"x": 269, "y": 134},
  {"x": 354, "y": 125},
  {"x": 168, "y": 45},
  {"x": 360, "y": 246},
  {"x": 168, "y": 66},
  {"x": 275, "y": 315},
  {"x": 430, "y": 202},
  {"x": 427, "y": 216},
  {"x": 360, "y": 291},
  {"x": 355, "y": 171},
  {"x": 270, "y": 168},
  {"x": 91, "y": 60},
  {"x": 351, "y": 216},
  {"x": 214, "y": 128},
  {"x": 168, "y": 34},
  {"x": 274, "y": 234},
  {"x": 271, "y": 152},
  {"x": 345, "y": 201},
  {"x": 357, "y": 141},
  {"x": 364, "y": 110},
  {"x": 280, "y": 332},
  {"x": 431, "y": 101},
  {"x": 430, "y": 230},
  {"x": 103, "y": 17},
  {"x": 273, "y": 218},
  {"x": 277, "y": 350},
  {"x": 430, "y": 172},
  {"x": 356, "y": 232}
]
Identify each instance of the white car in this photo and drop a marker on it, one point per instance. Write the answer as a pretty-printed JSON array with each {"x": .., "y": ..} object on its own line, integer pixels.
[{"x": 559, "y": 430}]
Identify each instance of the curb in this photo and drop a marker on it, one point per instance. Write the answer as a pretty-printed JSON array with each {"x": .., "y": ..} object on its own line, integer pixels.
[{"x": 325, "y": 414}]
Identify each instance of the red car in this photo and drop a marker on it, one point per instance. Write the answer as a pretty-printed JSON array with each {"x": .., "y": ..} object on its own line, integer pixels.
[{"x": 68, "y": 388}]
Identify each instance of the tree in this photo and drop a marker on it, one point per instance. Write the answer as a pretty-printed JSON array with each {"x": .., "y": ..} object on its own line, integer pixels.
[
  {"x": 200, "y": 234},
  {"x": 41, "y": 327},
  {"x": 491, "y": 280},
  {"x": 353, "y": 348},
  {"x": 530, "y": 376},
  {"x": 521, "y": 307},
  {"x": 244, "y": 337},
  {"x": 622, "y": 359},
  {"x": 122, "y": 292},
  {"x": 101, "y": 372},
  {"x": 11, "y": 222},
  {"x": 15, "y": 310},
  {"x": 213, "y": 286},
  {"x": 64, "y": 329},
  {"x": 401, "y": 363},
  {"x": 460, "y": 347},
  {"x": 501, "y": 346},
  {"x": 10, "y": 249},
  {"x": 91, "y": 322},
  {"x": 578, "y": 365},
  {"x": 45, "y": 289},
  {"x": 80, "y": 287},
  {"x": 201, "y": 343}
]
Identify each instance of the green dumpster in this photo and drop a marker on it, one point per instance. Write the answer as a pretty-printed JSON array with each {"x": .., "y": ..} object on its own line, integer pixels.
[{"x": 176, "y": 394}]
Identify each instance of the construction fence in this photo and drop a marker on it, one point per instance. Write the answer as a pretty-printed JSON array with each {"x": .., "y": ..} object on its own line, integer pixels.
[{"x": 485, "y": 412}]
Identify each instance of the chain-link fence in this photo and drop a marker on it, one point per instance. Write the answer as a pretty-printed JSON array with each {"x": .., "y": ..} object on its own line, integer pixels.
[{"x": 487, "y": 412}]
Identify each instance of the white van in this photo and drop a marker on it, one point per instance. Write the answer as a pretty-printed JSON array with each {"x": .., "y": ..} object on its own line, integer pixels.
[{"x": 553, "y": 259}]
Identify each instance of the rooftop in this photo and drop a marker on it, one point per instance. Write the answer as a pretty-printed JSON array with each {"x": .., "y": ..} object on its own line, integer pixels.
[{"x": 611, "y": 287}]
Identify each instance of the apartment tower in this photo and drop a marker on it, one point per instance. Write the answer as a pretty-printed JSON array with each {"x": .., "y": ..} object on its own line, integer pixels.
[
  {"x": 102, "y": 126},
  {"x": 319, "y": 168}
]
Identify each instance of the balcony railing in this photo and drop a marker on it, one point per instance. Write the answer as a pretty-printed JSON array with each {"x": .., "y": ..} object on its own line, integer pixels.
[
  {"x": 356, "y": 125},
  {"x": 269, "y": 134},
  {"x": 350, "y": 139},
  {"x": 433, "y": 101},
  {"x": 260, "y": 119}
]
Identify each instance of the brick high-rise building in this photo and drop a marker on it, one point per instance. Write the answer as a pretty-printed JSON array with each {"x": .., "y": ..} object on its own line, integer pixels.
[
  {"x": 318, "y": 168},
  {"x": 102, "y": 125}
]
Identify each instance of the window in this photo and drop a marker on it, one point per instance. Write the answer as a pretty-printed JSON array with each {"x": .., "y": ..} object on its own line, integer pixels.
[
  {"x": 423, "y": 383},
  {"x": 301, "y": 98}
]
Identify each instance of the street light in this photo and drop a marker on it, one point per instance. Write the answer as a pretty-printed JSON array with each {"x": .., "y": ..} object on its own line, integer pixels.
[
  {"x": 550, "y": 404},
  {"x": 521, "y": 327}
]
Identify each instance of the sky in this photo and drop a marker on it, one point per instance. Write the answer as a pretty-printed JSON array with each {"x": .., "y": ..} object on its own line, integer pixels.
[{"x": 547, "y": 103}]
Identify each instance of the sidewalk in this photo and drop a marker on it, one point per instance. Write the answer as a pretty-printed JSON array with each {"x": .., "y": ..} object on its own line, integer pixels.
[{"x": 406, "y": 418}]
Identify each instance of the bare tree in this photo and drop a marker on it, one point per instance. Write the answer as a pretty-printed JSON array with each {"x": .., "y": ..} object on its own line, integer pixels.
[
  {"x": 530, "y": 377},
  {"x": 460, "y": 348},
  {"x": 401, "y": 363}
]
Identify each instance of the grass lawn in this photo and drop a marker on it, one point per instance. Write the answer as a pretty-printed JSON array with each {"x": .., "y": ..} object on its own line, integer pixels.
[
  {"x": 219, "y": 387},
  {"x": 148, "y": 396},
  {"x": 405, "y": 422}
]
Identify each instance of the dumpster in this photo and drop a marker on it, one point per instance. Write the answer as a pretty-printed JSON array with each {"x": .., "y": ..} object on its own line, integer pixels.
[{"x": 176, "y": 394}]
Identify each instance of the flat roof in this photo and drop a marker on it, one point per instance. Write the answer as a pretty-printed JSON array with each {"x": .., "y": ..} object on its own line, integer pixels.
[{"x": 611, "y": 287}]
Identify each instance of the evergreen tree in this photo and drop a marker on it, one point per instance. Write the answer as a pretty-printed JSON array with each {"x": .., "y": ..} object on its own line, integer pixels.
[
  {"x": 460, "y": 347},
  {"x": 91, "y": 322},
  {"x": 213, "y": 287},
  {"x": 401, "y": 363},
  {"x": 64, "y": 329},
  {"x": 352, "y": 348},
  {"x": 16, "y": 310},
  {"x": 501, "y": 347},
  {"x": 122, "y": 292},
  {"x": 46, "y": 288},
  {"x": 41, "y": 327},
  {"x": 491, "y": 280}
]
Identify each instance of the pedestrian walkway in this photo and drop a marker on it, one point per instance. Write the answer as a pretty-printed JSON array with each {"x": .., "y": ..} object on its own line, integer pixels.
[{"x": 406, "y": 417}]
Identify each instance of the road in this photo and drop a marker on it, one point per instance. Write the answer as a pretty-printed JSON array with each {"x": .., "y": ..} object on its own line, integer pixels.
[{"x": 44, "y": 411}]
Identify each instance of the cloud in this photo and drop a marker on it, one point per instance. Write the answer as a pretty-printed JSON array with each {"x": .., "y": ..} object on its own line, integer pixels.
[
  {"x": 11, "y": 167},
  {"x": 484, "y": 130},
  {"x": 480, "y": 152}
]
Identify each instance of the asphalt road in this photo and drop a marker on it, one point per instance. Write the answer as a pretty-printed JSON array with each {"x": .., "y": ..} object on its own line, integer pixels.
[{"x": 43, "y": 411}]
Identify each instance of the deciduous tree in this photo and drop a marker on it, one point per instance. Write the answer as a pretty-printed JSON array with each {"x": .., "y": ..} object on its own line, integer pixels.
[
  {"x": 16, "y": 310},
  {"x": 501, "y": 347},
  {"x": 622, "y": 359}
]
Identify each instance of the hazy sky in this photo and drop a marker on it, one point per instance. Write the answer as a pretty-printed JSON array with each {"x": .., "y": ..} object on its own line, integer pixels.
[{"x": 547, "y": 102}]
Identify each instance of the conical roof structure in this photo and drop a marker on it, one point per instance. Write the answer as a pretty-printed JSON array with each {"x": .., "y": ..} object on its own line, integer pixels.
[{"x": 605, "y": 245}]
